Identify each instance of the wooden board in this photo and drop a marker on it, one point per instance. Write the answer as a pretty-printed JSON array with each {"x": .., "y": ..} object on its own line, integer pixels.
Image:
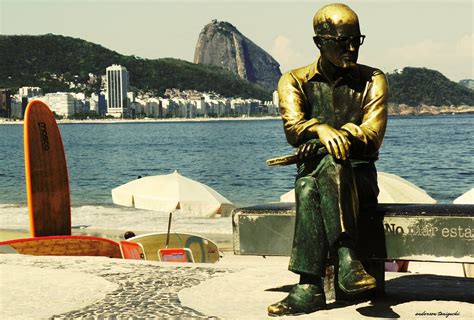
[
  {"x": 203, "y": 250},
  {"x": 64, "y": 246},
  {"x": 47, "y": 184}
]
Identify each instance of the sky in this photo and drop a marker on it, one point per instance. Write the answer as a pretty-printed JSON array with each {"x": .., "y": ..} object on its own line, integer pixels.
[{"x": 435, "y": 34}]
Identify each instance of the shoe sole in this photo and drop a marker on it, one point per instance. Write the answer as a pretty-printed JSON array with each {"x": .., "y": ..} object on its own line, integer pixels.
[
  {"x": 356, "y": 291},
  {"x": 289, "y": 313}
]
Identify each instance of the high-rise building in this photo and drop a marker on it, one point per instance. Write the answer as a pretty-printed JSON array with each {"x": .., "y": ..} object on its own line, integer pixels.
[
  {"x": 117, "y": 86},
  {"x": 5, "y": 103}
]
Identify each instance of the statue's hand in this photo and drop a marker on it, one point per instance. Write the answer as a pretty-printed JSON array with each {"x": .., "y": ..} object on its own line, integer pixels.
[
  {"x": 307, "y": 149},
  {"x": 336, "y": 141}
]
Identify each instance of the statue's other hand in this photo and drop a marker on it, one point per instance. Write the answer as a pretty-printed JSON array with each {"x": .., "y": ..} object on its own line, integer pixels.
[
  {"x": 306, "y": 150},
  {"x": 336, "y": 141}
]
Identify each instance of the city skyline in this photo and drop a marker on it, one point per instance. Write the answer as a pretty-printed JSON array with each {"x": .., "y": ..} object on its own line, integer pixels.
[{"x": 432, "y": 34}]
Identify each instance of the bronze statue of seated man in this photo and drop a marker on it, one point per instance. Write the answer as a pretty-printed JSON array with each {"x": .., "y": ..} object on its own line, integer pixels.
[{"x": 340, "y": 105}]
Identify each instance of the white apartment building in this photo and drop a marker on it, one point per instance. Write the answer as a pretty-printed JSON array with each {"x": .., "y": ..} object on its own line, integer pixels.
[
  {"x": 94, "y": 103},
  {"x": 117, "y": 88},
  {"x": 201, "y": 107},
  {"x": 166, "y": 107},
  {"x": 240, "y": 106},
  {"x": 184, "y": 108},
  {"x": 275, "y": 98},
  {"x": 62, "y": 103},
  {"x": 152, "y": 107},
  {"x": 16, "y": 110},
  {"x": 30, "y": 92}
]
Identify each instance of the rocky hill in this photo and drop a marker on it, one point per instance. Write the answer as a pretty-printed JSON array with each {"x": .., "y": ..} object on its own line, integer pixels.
[
  {"x": 221, "y": 44},
  {"x": 59, "y": 63}
]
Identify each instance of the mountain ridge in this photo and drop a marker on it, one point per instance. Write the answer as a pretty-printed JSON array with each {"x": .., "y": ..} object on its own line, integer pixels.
[
  {"x": 60, "y": 61},
  {"x": 57, "y": 61}
]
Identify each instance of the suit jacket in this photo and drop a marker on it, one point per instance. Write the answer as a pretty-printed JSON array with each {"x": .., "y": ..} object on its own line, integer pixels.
[{"x": 356, "y": 102}]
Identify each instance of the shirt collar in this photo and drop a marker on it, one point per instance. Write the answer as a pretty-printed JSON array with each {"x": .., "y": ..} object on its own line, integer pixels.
[{"x": 315, "y": 74}]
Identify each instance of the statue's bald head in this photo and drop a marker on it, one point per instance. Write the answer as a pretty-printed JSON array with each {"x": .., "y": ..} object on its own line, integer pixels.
[{"x": 329, "y": 17}]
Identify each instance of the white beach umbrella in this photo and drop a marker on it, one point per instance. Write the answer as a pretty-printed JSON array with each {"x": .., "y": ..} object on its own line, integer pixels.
[
  {"x": 169, "y": 192},
  {"x": 466, "y": 198},
  {"x": 393, "y": 189}
]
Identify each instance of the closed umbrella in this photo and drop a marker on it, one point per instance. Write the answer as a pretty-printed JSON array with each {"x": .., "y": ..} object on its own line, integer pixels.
[
  {"x": 393, "y": 189},
  {"x": 169, "y": 192}
]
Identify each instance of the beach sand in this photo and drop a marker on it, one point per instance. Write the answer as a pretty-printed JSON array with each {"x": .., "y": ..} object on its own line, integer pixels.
[{"x": 236, "y": 287}]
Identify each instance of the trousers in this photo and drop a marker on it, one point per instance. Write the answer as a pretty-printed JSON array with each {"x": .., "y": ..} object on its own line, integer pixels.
[{"x": 333, "y": 199}]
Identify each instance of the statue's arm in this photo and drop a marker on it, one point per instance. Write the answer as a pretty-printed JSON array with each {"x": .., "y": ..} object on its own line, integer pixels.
[
  {"x": 368, "y": 136},
  {"x": 292, "y": 109}
]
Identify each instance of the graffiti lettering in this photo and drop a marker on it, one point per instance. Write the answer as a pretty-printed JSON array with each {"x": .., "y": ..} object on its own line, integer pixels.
[
  {"x": 393, "y": 228},
  {"x": 426, "y": 230},
  {"x": 460, "y": 232}
]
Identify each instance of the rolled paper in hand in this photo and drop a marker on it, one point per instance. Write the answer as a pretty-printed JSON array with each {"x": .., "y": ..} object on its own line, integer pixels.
[{"x": 283, "y": 160}]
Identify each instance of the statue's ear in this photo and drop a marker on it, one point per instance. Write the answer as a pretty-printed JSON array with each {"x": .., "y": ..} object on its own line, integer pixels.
[{"x": 317, "y": 41}]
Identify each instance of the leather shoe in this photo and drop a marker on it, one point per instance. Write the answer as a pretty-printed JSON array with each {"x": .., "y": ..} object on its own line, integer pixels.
[
  {"x": 353, "y": 279},
  {"x": 303, "y": 298}
]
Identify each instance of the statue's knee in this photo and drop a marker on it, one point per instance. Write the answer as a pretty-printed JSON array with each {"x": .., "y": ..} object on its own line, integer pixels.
[
  {"x": 335, "y": 168},
  {"x": 304, "y": 187}
]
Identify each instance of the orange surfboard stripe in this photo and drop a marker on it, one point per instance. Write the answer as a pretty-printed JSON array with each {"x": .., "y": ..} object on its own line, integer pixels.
[{"x": 47, "y": 183}]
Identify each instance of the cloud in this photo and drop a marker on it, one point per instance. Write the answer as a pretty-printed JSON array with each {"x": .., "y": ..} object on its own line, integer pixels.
[
  {"x": 283, "y": 52},
  {"x": 453, "y": 58}
]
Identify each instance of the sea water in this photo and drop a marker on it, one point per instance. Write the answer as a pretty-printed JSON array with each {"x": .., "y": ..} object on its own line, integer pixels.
[{"x": 433, "y": 152}]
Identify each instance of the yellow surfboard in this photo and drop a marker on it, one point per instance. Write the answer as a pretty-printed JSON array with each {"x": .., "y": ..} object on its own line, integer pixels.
[
  {"x": 203, "y": 250},
  {"x": 47, "y": 184}
]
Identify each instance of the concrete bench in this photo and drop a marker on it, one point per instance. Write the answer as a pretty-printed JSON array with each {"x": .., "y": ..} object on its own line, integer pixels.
[
  {"x": 443, "y": 233},
  {"x": 435, "y": 233}
]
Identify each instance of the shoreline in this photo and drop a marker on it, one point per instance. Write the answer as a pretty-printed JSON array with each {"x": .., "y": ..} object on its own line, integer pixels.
[
  {"x": 393, "y": 110},
  {"x": 150, "y": 120}
]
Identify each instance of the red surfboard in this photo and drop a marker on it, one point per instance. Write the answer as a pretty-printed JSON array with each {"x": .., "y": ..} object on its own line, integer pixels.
[
  {"x": 47, "y": 183},
  {"x": 63, "y": 246}
]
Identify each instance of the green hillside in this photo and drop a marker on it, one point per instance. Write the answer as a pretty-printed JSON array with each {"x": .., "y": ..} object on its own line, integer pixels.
[
  {"x": 53, "y": 62},
  {"x": 417, "y": 86},
  {"x": 59, "y": 63}
]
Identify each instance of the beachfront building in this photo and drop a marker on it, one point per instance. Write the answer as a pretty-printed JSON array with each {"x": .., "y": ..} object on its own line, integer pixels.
[
  {"x": 17, "y": 110},
  {"x": 30, "y": 92},
  {"x": 184, "y": 108},
  {"x": 219, "y": 107},
  {"x": 5, "y": 103},
  {"x": 241, "y": 107},
  {"x": 269, "y": 108},
  {"x": 200, "y": 106},
  {"x": 117, "y": 88},
  {"x": 62, "y": 103},
  {"x": 153, "y": 108}
]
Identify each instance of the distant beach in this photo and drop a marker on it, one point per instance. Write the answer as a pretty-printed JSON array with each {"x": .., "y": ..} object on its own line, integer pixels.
[
  {"x": 150, "y": 120},
  {"x": 393, "y": 110}
]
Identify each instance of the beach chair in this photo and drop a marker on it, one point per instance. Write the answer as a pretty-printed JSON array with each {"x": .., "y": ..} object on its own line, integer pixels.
[
  {"x": 132, "y": 250},
  {"x": 175, "y": 255}
]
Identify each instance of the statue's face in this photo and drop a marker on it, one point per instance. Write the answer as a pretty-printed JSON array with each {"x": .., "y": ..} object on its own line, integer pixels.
[{"x": 340, "y": 44}]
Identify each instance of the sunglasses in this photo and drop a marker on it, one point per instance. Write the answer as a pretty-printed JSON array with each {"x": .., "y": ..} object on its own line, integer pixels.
[{"x": 355, "y": 41}]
